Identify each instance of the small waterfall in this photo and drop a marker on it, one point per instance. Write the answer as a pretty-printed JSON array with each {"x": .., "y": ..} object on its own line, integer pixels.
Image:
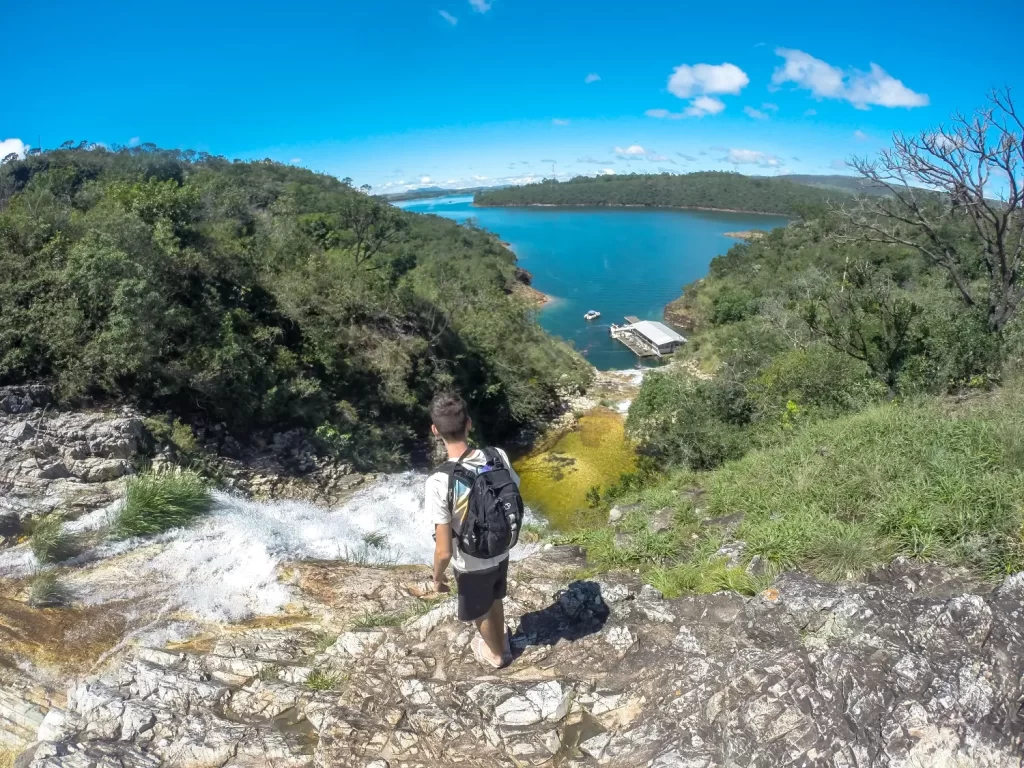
[{"x": 225, "y": 568}]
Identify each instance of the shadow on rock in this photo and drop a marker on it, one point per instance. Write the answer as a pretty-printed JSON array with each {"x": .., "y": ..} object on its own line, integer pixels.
[{"x": 578, "y": 611}]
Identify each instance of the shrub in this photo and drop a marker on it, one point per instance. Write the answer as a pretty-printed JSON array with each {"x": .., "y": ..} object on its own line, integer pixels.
[
  {"x": 51, "y": 541},
  {"x": 683, "y": 421},
  {"x": 46, "y": 591},
  {"x": 816, "y": 378},
  {"x": 158, "y": 501}
]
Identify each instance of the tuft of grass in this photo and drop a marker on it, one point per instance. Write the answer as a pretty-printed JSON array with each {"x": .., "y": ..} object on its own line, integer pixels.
[
  {"x": 704, "y": 578},
  {"x": 844, "y": 552},
  {"x": 158, "y": 501},
  {"x": 51, "y": 541},
  {"x": 46, "y": 591},
  {"x": 324, "y": 640},
  {"x": 270, "y": 673},
  {"x": 7, "y": 758},
  {"x": 319, "y": 680}
]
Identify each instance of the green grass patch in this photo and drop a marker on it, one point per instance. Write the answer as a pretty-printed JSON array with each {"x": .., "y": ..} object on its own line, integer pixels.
[
  {"x": 319, "y": 680},
  {"x": 930, "y": 479},
  {"x": 158, "y": 501},
  {"x": 51, "y": 542}
]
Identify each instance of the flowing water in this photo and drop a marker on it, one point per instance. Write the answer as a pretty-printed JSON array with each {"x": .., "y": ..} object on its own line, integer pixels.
[
  {"x": 226, "y": 567},
  {"x": 618, "y": 261}
]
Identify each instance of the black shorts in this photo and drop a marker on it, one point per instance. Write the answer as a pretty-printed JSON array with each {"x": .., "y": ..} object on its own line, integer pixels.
[{"x": 479, "y": 589}]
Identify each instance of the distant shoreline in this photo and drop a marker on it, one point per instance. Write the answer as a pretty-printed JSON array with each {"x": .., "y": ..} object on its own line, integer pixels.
[{"x": 474, "y": 204}]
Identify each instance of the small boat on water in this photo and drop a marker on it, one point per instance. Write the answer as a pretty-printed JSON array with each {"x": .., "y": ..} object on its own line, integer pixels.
[{"x": 592, "y": 315}]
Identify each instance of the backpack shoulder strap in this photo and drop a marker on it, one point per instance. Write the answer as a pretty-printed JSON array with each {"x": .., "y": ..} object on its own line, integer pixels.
[
  {"x": 493, "y": 457},
  {"x": 451, "y": 468}
]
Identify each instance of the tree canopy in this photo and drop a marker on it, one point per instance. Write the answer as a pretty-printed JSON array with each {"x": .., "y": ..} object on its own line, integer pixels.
[{"x": 260, "y": 296}]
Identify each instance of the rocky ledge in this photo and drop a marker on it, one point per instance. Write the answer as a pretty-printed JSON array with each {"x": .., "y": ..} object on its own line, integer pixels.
[
  {"x": 607, "y": 673},
  {"x": 75, "y": 461}
]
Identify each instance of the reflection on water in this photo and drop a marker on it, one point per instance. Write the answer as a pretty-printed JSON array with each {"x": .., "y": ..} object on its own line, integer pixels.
[{"x": 556, "y": 477}]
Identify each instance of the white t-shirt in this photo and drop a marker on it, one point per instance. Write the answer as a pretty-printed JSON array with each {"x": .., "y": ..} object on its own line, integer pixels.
[{"x": 440, "y": 514}]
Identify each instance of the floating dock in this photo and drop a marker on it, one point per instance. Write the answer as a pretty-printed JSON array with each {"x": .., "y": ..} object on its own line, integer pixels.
[{"x": 647, "y": 338}]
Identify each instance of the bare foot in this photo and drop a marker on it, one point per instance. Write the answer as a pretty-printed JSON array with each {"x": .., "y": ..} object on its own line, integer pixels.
[{"x": 483, "y": 653}]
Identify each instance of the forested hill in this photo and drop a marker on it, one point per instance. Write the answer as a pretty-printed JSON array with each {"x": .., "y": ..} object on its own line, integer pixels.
[
  {"x": 706, "y": 189},
  {"x": 262, "y": 297}
]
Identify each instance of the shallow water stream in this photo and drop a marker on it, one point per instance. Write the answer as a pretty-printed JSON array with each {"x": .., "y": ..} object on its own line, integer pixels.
[{"x": 556, "y": 476}]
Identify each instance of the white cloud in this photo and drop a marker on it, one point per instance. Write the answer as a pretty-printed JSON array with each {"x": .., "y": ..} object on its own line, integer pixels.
[
  {"x": 481, "y": 6},
  {"x": 664, "y": 114},
  {"x": 296, "y": 160},
  {"x": 704, "y": 105},
  {"x": 559, "y": 121},
  {"x": 660, "y": 159},
  {"x": 424, "y": 179},
  {"x": 769, "y": 107},
  {"x": 13, "y": 147},
  {"x": 810, "y": 113},
  {"x": 860, "y": 136},
  {"x": 479, "y": 178},
  {"x": 862, "y": 89},
  {"x": 699, "y": 82},
  {"x": 840, "y": 165},
  {"x": 593, "y": 161},
  {"x": 633, "y": 150},
  {"x": 593, "y": 77},
  {"x": 752, "y": 157},
  {"x": 757, "y": 114},
  {"x": 134, "y": 141},
  {"x": 687, "y": 81},
  {"x": 448, "y": 17},
  {"x": 607, "y": 172}
]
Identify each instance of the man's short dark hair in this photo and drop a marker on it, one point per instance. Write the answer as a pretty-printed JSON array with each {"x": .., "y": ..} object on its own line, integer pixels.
[{"x": 448, "y": 412}]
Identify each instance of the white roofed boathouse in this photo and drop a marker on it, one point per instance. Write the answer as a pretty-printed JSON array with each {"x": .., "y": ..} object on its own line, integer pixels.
[{"x": 647, "y": 338}]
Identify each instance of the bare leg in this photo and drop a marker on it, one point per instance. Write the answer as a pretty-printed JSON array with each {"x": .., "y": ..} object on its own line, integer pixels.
[{"x": 492, "y": 629}]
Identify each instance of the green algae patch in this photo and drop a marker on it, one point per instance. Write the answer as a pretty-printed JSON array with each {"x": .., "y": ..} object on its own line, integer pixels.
[{"x": 555, "y": 476}]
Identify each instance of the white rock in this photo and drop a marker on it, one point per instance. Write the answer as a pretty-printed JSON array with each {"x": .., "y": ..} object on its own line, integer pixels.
[
  {"x": 594, "y": 747},
  {"x": 620, "y": 638}
]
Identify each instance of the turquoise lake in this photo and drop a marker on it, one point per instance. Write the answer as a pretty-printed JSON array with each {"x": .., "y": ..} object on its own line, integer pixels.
[{"x": 619, "y": 262}]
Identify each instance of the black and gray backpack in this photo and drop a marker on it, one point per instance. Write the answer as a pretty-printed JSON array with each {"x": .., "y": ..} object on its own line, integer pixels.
[{"x": 494, "y": 514}]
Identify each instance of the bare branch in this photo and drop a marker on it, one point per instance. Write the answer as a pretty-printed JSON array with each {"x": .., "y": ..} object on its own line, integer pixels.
[{"x": 956, "y": 196}]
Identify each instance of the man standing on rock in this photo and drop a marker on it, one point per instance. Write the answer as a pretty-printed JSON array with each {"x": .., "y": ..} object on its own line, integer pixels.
[{"x": 474, "y": 501}]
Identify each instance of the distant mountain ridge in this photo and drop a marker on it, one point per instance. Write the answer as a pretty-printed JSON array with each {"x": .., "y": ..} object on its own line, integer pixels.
[{"x": 852, "y": 184}]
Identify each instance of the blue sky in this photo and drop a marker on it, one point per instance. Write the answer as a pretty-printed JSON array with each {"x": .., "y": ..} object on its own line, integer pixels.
[{"x": 399, "y": 93}]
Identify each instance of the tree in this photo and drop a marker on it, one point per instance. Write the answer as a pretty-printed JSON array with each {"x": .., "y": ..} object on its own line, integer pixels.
[
  {"x": 969, "y": 217},
  {"x": 373, "y": 225},
  {"x": 870, "y": 319}
]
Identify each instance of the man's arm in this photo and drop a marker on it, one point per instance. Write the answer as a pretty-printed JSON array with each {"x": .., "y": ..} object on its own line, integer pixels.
[{"x": 442, "y": 555}]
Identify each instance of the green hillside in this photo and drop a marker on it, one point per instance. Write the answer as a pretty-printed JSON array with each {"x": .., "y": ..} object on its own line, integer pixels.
[
  {"x": 262, "y": 297},
  {"x": 706, "y": 189},
  {"x": 854, "y": 185}
]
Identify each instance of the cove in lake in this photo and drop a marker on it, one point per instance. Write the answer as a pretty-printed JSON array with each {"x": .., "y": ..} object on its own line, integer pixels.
[{"x": 618, "y": 261}]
